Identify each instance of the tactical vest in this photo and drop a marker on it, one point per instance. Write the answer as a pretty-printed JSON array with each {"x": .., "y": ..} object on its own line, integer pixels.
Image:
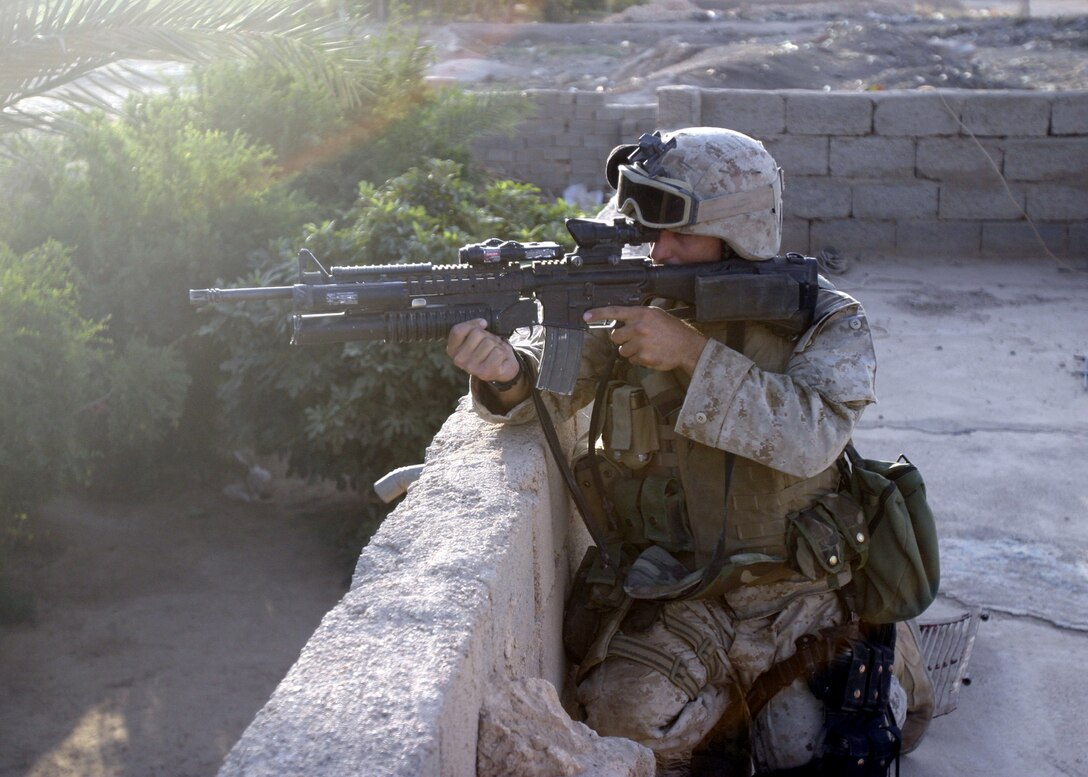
[{"x": 670, "y": 489}]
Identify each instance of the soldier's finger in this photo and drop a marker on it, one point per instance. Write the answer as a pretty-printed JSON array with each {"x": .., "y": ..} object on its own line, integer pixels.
[
  {"x": 461, "y": 332},
  {"x": 611, "y": 313}
]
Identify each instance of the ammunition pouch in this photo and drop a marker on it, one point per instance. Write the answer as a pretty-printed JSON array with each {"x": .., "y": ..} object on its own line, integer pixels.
[
  {"x": 851, "y": 673},
  {"x": 630, "y": 425},
  {"x": 647, "y": 510}
]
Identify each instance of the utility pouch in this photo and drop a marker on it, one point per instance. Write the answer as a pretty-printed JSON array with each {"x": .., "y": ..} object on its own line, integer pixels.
[
  {"x": 647, "y": 510},
  {"x": 901, "y": 575},
  {"x": 596, "y": 500},
  {"x": 596, "y": 594},
  {"x": 594, "y": 609},
  {"x": 630, "y": 425},
  {"x": 861, "y": 736},
  {"x": 815, "y": 540}
]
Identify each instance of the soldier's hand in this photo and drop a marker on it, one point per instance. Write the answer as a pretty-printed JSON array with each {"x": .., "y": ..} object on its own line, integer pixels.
[
  {"x": 481, "y": 353},
  {"x": 651, "y": 337}
]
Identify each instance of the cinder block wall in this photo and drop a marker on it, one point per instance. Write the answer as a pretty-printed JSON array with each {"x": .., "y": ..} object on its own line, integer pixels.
[
  {"x": 567, "y": 140},
  {"x": 908, "y": 173},
  {"x": 462, "y": 586}
]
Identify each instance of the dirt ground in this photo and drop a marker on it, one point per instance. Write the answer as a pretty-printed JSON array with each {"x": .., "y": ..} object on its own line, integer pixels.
[
  {"x": 162, "y": 626},
  {"x": 849, "y": 46}
]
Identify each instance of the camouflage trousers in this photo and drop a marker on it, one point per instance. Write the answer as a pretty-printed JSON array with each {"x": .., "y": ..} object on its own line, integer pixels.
[{"x": 668, "y": 685}]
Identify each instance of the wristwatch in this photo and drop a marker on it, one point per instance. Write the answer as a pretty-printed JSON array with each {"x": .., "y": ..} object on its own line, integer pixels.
[{"x": 506, "y": 385}]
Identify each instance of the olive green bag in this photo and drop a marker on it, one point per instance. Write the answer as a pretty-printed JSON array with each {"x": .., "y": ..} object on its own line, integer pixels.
[{"x": 899, "y": 576}]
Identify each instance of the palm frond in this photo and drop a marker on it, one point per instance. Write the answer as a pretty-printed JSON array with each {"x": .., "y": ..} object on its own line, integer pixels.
[{"x": 69, "y": 50}]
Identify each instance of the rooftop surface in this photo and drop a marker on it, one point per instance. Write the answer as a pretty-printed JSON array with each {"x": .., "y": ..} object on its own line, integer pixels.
[{"x": 980, "y": 385}]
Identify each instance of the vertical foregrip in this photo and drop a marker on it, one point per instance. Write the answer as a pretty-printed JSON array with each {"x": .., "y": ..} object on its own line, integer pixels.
[{"x": 560, "y": 362}]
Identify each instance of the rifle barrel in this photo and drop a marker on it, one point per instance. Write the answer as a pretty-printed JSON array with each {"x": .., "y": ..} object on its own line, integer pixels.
[{"x": 210, "y": 296}]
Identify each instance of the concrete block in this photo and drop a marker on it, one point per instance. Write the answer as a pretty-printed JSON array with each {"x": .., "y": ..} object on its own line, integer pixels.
[
  {"x": 937, "y": 238},
  {"x": 1047, "y": 159},
  {"x": 595, "y": 153},
  {"x": 555, "y": 153},
  {"x": 828, "y": 113},
  {"x": 584, "y": 170},
  {"x": 795, "y": 235},
  {"x": 631, "y": 130},
  {"x": 679, "y": 106},
  {"x": 544, "y": 98},
  {"x": 1003, "y": 113},
  {"x": 589, "y": 97},
  {"x": 908, "y": 200},
  {"x": 609, "y": 113},
  {"x": 872, "y": 157},
  {"x": 1069, "y": 113},
  {"x": 959, "y": 159},
  {"x": 817, "y": 198},
  {"x": 1058, "y": 202},
  {"x": 499, "y": 155},
  {"x": 967, "y": 201},
  {"x": 647, "y": 112},
  {"x": 915, "y": 114},
  {"x": 853, "y": 238},
  {"x": 753, "y": 112},
  {"x": 799, "y": 154},
  {"x": 1078, "y": 240},
  {"x": 587, "y": 126},
  {"x": 1019, "y": 239}
]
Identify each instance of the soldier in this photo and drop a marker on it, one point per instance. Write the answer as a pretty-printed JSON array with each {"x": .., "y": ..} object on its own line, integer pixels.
[{"x": 716, "y": 437}]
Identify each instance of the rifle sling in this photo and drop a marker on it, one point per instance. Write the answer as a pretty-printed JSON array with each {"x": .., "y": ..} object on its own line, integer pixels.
[{"x": 565, "y": 470}]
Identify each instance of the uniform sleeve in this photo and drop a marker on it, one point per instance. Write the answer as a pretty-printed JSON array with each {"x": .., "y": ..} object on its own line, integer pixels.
[
  {"x": 595, "y": 355},
  {"x": 797, "y": 422}
]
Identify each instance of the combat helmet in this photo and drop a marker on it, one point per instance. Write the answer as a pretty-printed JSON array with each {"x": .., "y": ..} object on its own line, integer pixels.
[{"x": 702, "y": 181}]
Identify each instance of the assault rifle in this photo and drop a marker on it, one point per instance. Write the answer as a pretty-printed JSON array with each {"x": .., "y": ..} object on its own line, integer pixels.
[{"x": 514, "y": 285}]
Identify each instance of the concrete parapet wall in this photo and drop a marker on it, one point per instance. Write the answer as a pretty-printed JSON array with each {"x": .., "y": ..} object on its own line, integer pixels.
[
  {"x": 948, "y": 172},
  {"x": 461, "y": 587}
]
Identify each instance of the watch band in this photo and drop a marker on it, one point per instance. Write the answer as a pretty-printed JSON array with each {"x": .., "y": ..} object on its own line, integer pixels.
[{"x": 506, "y": 385}]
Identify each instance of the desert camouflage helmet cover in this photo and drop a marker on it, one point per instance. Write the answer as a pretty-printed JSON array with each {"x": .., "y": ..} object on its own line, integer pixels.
[{"x": 732, "y": 179}]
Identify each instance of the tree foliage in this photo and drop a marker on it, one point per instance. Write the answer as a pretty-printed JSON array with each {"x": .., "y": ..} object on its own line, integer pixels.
[
  {"x": 352, "y": 412},
  {"x": 81, "y": 53},
  {"x": 59, "y": 372},
  {"x": 216, "y": 179}
]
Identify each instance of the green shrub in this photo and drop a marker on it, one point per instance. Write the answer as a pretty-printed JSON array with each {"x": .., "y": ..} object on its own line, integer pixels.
[
  {"x": 198, "y": 185},
  {"x": 352, "y": 412},
  {"x": 52, "y": 358}
]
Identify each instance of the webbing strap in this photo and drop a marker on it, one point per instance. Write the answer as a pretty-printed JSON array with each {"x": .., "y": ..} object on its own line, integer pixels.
[
  {"x": 813, "y": 653},
  {"x": 561, "y": 462},
  {"x": 657, "y": 659},
  {"x": 702, "y": 645}
]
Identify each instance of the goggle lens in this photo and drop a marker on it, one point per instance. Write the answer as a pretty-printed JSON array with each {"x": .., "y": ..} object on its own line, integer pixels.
[{"x": 653, "y": 205}]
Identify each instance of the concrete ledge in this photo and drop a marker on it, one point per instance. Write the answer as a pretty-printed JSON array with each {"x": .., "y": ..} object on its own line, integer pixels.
[{"x": 443, "y": 603}]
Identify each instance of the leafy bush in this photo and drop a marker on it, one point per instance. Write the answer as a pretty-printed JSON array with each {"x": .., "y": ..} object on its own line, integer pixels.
[
  {"x": 328, "y": 148},
  {"x": 354, "y": 411},
  {"x": 198, "y": 185}
]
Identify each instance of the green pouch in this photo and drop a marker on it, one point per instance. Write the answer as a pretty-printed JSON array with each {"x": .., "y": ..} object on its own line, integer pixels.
[
  {"x": 816, "y": 546},
  {"x": 901, "y": 575}
]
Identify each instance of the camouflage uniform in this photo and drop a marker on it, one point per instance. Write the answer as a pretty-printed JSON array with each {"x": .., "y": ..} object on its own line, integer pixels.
[{"x": 785, "y": 405}]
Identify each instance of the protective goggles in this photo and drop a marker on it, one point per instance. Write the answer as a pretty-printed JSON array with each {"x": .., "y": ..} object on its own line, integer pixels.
[{"x": 667, "y": 203}]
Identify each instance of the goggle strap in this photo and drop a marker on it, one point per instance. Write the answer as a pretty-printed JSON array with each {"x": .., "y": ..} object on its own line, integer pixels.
[{"x": 736, "y": 204}]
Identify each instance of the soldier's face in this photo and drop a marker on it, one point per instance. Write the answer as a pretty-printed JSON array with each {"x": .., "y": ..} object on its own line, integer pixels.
[{"x": 675, "y": 248}]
